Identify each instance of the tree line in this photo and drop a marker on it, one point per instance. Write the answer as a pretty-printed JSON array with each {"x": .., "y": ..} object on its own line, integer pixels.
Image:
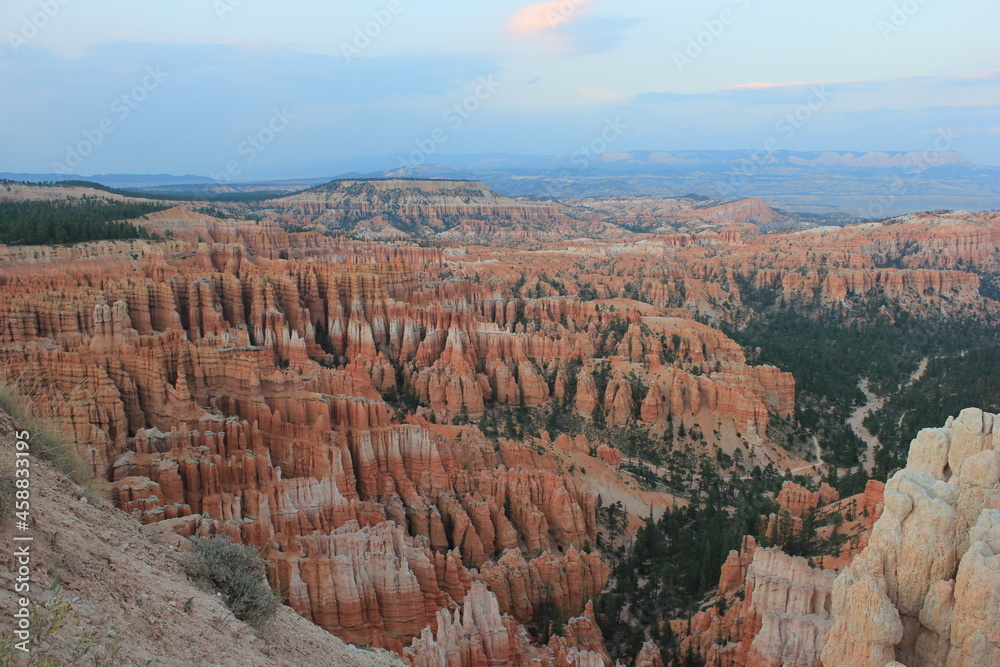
[{"x": 45, "y": 222}]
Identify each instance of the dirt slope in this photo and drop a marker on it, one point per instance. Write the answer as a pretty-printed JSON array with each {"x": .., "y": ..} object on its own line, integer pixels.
[{"x": 130, "y": 597}]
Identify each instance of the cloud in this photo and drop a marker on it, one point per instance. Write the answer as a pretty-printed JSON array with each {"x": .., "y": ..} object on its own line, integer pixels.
[
  {"x": 594, "y": 35},
  {"x": 566, "y": 27},
  {"x": 765, "y": 93},
  {"x": 897, "y": 114},
  {"x": 988, "y": 78},
  {"x": 537, "y": 20},
  {"x": 233, "y": 75},
  {"x": 790, "y": 93}
]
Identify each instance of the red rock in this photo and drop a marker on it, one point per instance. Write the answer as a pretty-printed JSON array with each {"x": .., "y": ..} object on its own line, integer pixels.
[
  {"x": 649, "y": 656},
  {"x": 618, "y": 402},
  {"x": 609, "y": 455},
  {"x": 586, "y": 394},
  {"x": 734, "y": 570},
  {"x": 652, "y": 406},
  {"x": 568, "y": 581},
  {"x": 782, "y": 619},
  {"x": 479, "y": 636},
  {"x": 230, "y": 380},
  {"x": 797, "y": 500}
]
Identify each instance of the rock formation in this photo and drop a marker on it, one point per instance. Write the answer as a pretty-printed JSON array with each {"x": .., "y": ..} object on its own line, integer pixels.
[
  {"x": 782, "y": 620},
  {"x": 921, "y": 584},
  {"x": 926, "y": 589},
  {"x": 480, "y": 635},
  {"x": 779, "y": 608},
  {"x": 370, "y": 414}
]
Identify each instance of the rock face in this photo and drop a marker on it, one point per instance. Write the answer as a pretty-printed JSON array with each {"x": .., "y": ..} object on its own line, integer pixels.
[
  {"x": 926, "y": 590},
  {"x": 922, "y": 589},
  {"x": 792, "y": 602},
  {"x": 388, "y": 208},
  {"x": 782, "y": 620},
  {"x": 649, "y": 656},
  {"x": 797, "y": 501},
  {"x": 779, "y": 608},
  {"x": 140, "y": 600},
  {"x": 522, "y": 587},
  {"x": 480, "y": 635},
  {"x": 381, "y": 588},
  {"x": 734, "y": 571},
  {"x": 476, "y": 635}
]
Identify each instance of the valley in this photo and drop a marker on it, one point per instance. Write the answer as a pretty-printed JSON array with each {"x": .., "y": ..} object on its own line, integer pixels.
[{"x": 476, "y": 429}]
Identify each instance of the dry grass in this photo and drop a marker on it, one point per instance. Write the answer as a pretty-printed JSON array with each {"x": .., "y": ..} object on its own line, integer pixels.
[
  {"x": 47, "y": 440},
  {"x": 53, "y": 644},
  {"x": 7, "y": 490}
]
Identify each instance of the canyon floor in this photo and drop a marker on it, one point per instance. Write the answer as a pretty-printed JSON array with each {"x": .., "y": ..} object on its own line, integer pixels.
[{"x": 470, "y": 429}]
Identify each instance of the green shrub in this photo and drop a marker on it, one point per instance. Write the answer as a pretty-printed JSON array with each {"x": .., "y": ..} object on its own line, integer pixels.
[{"x": 238, "y": 572}]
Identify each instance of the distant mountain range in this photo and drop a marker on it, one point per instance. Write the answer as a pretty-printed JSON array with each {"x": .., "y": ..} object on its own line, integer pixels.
[
  {"x": 687, "y": 159},
  {"x": 855, "y": 184},
  {"x": 860, "y": 185}
]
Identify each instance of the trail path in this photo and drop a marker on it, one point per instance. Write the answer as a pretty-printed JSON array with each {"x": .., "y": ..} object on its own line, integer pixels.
[
  {"x": 873, "y": 403},
  {"x": 819, "y": 458}
]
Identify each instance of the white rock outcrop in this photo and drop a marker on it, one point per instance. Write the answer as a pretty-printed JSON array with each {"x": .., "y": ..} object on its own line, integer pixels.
[{"x": 926, "y": 590}]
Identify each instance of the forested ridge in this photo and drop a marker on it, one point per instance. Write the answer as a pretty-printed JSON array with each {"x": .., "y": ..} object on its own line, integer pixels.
[
  {"x": 829, "y": 354},
  {"x": 968, "y": 377},
  {"x": 72, "y": 220}
]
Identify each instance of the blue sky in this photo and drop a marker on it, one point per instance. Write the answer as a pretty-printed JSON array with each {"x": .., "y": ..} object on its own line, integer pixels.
[{"x": 286, "y": 89}]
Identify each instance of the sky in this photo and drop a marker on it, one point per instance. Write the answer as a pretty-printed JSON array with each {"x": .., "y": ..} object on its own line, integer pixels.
[{"x": 259, "y": 89}]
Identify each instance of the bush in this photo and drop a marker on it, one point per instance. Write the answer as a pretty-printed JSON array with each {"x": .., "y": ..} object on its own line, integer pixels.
[{"x": 238, "y": 572}]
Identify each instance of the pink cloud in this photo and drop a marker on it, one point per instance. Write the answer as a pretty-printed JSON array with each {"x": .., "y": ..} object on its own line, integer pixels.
[
  {"x": 988, "y": 74},
  {"x": 535, "y": 20}
]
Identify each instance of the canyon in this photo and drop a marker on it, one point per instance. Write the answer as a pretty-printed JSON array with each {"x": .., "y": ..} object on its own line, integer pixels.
[
  {"x": 920, "y": 586},
  {"x": 418, "y": 400}
]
